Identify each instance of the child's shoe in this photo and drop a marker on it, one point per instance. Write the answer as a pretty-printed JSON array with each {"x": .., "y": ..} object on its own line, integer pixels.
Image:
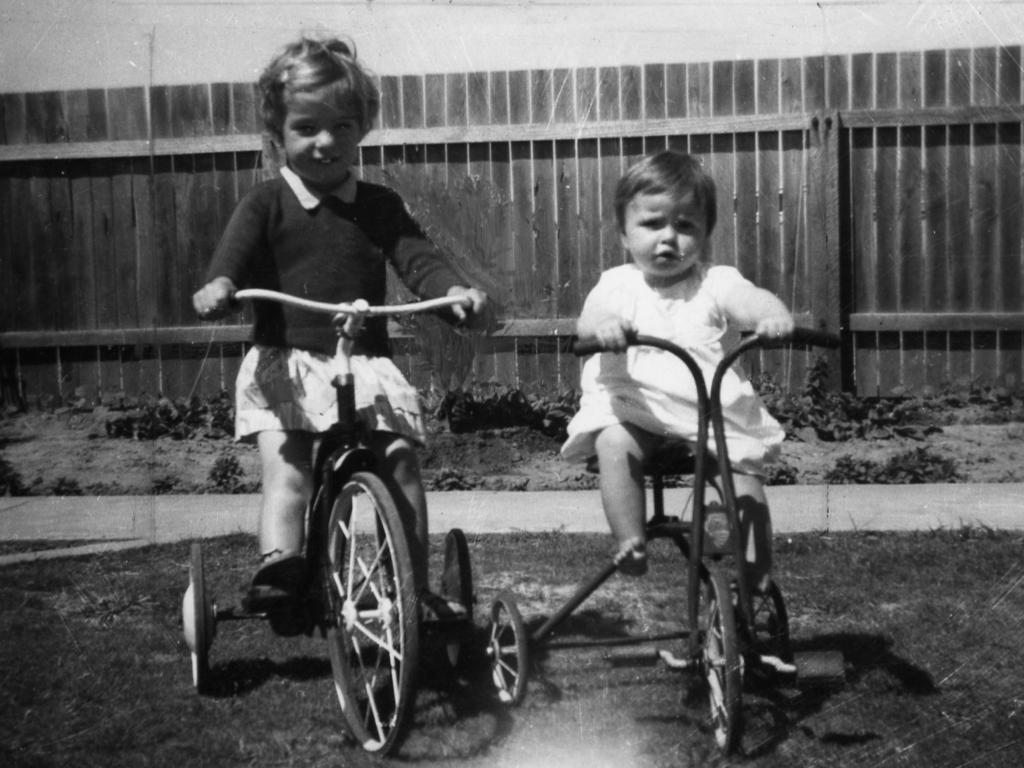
[
  {"x": 632, "y": 557},
  {"x": 277, "y": 582}
]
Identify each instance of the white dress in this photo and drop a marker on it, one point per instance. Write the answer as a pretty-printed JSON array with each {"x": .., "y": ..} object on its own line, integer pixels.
[{"x": 651, "y": 388}]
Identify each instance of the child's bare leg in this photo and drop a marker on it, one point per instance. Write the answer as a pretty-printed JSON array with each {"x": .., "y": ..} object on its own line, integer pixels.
[
  {"x": 621, "y": 449},
  {"x": 286, "y": 458},
  {"x": 401, "y": 473},
  {"x": 756, "y": 524}
]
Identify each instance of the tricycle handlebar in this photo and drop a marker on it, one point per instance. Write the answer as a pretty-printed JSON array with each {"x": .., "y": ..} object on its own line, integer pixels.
[
  {"x": 799, "y": 337},
  {"x": 357, "y": 307}
]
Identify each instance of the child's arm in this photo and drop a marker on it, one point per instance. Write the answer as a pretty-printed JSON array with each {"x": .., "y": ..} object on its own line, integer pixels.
[
  {"x": 753, "y": 308},
  {"x": 602, "y": 319}
]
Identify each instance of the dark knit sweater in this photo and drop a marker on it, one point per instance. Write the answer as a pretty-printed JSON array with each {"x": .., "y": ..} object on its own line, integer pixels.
[{"x": 335, "y": 252}]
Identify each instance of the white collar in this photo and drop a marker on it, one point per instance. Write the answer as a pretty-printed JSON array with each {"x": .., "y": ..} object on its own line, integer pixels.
[{"x": 308, "y": 199}]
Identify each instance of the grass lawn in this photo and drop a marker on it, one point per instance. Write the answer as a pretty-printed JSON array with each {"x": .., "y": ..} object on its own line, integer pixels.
[{"x": 95, "y": 670}]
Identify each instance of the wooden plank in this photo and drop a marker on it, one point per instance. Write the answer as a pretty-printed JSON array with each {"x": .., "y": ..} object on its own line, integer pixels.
[
  {"x": 220, "y": 108},
  {"x": 434, "y": 109},
  {"x": 676, "y": 91},
  {"x": 104, "y": 263},
  {"x": 747, "y": 198},
  {"x": 936, "y": 321},
  {"x": 631, "y": 93},
  {"x": 164, "y": 146},
  {"x": 791, "y": 85},
  {"x": 698, "y": 90},
  {"x": 586, "y": 96},
  {"x": 45, "y": 121},
  {"x": 390, "y": 102},
  {"x": 769, "y": 190},
  {"x": 837, "y": 76},
  {"x": 608, "y": 94},
  {"x": 544, "y": 258},
  {"x": 654, "y": 104},
  {"x": 413, "y": 115},
  {"x": 28, "y": 313},
  {"x": 570, "y": 292},
  {"x": 245, "y": 109},
  {"x": 814, "y": 84},
  {"x": 611, "y": 169},
  {"x": 14, "y": 118},
  {"x": 522, "y": 232},
  {"x": 127, "y": 114},
  {"x": 123, "y": 242},
  {"x": 499, "y": 98},
  {"x": 767, "y": 80},
  {"x": 519, "y": 101},
  {"x": 541, "y": 96},
  {"x": 1009, "y": 204}
]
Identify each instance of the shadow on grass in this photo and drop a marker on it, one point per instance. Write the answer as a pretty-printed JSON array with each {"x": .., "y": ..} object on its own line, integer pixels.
[
  {"x": 774, "y": 713},
  {"x": 240, "y": 676}
]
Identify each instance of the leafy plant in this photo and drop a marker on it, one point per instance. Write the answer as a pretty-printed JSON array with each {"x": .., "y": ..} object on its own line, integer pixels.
[
  {"x": 11, "y": 483},
  {"x": 838, "y": 416},
  {"x": 918, "y": 465},
  {"x": 226, "y": 474}
]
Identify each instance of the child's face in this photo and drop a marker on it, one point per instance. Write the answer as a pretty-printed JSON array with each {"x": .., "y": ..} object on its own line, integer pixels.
[
  {"x": 321, "y": 141},
  {"x": 665, "y": 236}
]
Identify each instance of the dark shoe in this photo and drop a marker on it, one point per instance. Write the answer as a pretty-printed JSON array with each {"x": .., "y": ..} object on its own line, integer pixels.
[{"x": 275, "y": 584}]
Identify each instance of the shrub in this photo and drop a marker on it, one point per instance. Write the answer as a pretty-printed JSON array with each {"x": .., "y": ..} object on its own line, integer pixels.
[
  {"x": 226, "y": 474},
  {"x": 11, "y": 483},
  {"x": 918, "y": 465}
]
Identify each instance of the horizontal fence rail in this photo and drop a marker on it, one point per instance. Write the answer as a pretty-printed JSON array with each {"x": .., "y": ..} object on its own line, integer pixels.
[{"x": 877, "y": 194}]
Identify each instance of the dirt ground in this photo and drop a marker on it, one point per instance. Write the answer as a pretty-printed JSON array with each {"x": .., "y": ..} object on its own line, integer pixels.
[{"x": 68, "y": 452}]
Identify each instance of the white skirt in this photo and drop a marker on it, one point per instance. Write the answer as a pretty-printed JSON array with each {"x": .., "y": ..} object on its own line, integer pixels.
[{"x": 290, "y": 389}]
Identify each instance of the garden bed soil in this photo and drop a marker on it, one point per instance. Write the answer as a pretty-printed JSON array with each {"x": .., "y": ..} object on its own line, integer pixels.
[{"x": 68, "y": 452}]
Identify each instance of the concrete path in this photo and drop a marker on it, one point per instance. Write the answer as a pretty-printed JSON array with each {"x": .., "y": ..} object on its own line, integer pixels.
[{"x": 120, "y": 522}]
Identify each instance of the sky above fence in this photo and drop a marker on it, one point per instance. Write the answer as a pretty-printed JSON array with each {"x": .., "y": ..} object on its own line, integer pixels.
[{"x": 69, "y": 44}]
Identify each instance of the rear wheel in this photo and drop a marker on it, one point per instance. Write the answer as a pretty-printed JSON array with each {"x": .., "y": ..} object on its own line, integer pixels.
[
  {"x": 507, "y": 650},
  {"x": 722, "y": 662},
  {"x": 373, "y": 629},
  {"x": 198, "y": 620},
  {"x": 457, "y": 585}
]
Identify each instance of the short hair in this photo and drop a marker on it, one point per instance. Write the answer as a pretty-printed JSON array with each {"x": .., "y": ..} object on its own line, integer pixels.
[
  {"x": 668, "y": 171},
  {"x": 310, "y": 64}
]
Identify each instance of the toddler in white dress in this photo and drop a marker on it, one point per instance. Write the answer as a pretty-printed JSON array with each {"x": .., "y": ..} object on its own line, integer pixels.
[{"x": 636, "y": 398}]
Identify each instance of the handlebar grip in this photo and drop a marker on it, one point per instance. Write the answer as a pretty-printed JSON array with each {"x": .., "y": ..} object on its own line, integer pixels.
[
  {"x": 591, "y": 346},
  {"x": 805, "y": 337}
]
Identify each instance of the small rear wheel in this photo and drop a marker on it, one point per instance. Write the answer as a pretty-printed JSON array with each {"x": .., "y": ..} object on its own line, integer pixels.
[
  {"x": 198, "y": 620},
  {"x": 507, "y": 650},
  {"x": 373, "y": 629},
  {"x": 457, "y": 584},
  {"x": 722, "y": 662}
]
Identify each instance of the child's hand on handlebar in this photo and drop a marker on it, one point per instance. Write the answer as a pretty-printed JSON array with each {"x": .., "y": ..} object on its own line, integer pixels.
[
  {"x": 613, "y": 333},
  {"x": 777, "y": 326},
  {"x": 474, "y": 312},
  {"x": 215, "y": 299}
]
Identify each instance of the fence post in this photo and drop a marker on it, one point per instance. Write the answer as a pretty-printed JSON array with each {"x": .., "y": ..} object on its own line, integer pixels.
[{"x": 823, "y": 235}]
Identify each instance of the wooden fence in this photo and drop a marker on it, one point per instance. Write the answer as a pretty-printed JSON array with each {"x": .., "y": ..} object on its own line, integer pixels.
[{"x": 878, "y": 194}]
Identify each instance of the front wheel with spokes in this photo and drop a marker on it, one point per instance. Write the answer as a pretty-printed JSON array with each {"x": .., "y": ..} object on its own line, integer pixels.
[
  {"x": 373, "y": 627},
  {"x": 722, "y": 663},
  {"x": 507, "y": 650}
]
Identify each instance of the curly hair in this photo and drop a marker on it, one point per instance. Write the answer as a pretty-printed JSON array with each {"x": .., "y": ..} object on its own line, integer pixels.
[{"x": 312, "y": 64}]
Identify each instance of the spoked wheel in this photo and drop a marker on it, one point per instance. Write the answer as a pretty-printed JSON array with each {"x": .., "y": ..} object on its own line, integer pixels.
[
  {"x": 374, "y": 628},
  {"x": 457, "y": 584},
  {"x": 507, "y": 650},
  {"x": 198, "y": 620},
  {"x": 770, "y": 634},
  {"x": 722, "y": 661}
]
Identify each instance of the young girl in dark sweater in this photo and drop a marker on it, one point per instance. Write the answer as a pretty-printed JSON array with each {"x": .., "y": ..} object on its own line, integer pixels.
[{"x": 319, "y": 233}]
